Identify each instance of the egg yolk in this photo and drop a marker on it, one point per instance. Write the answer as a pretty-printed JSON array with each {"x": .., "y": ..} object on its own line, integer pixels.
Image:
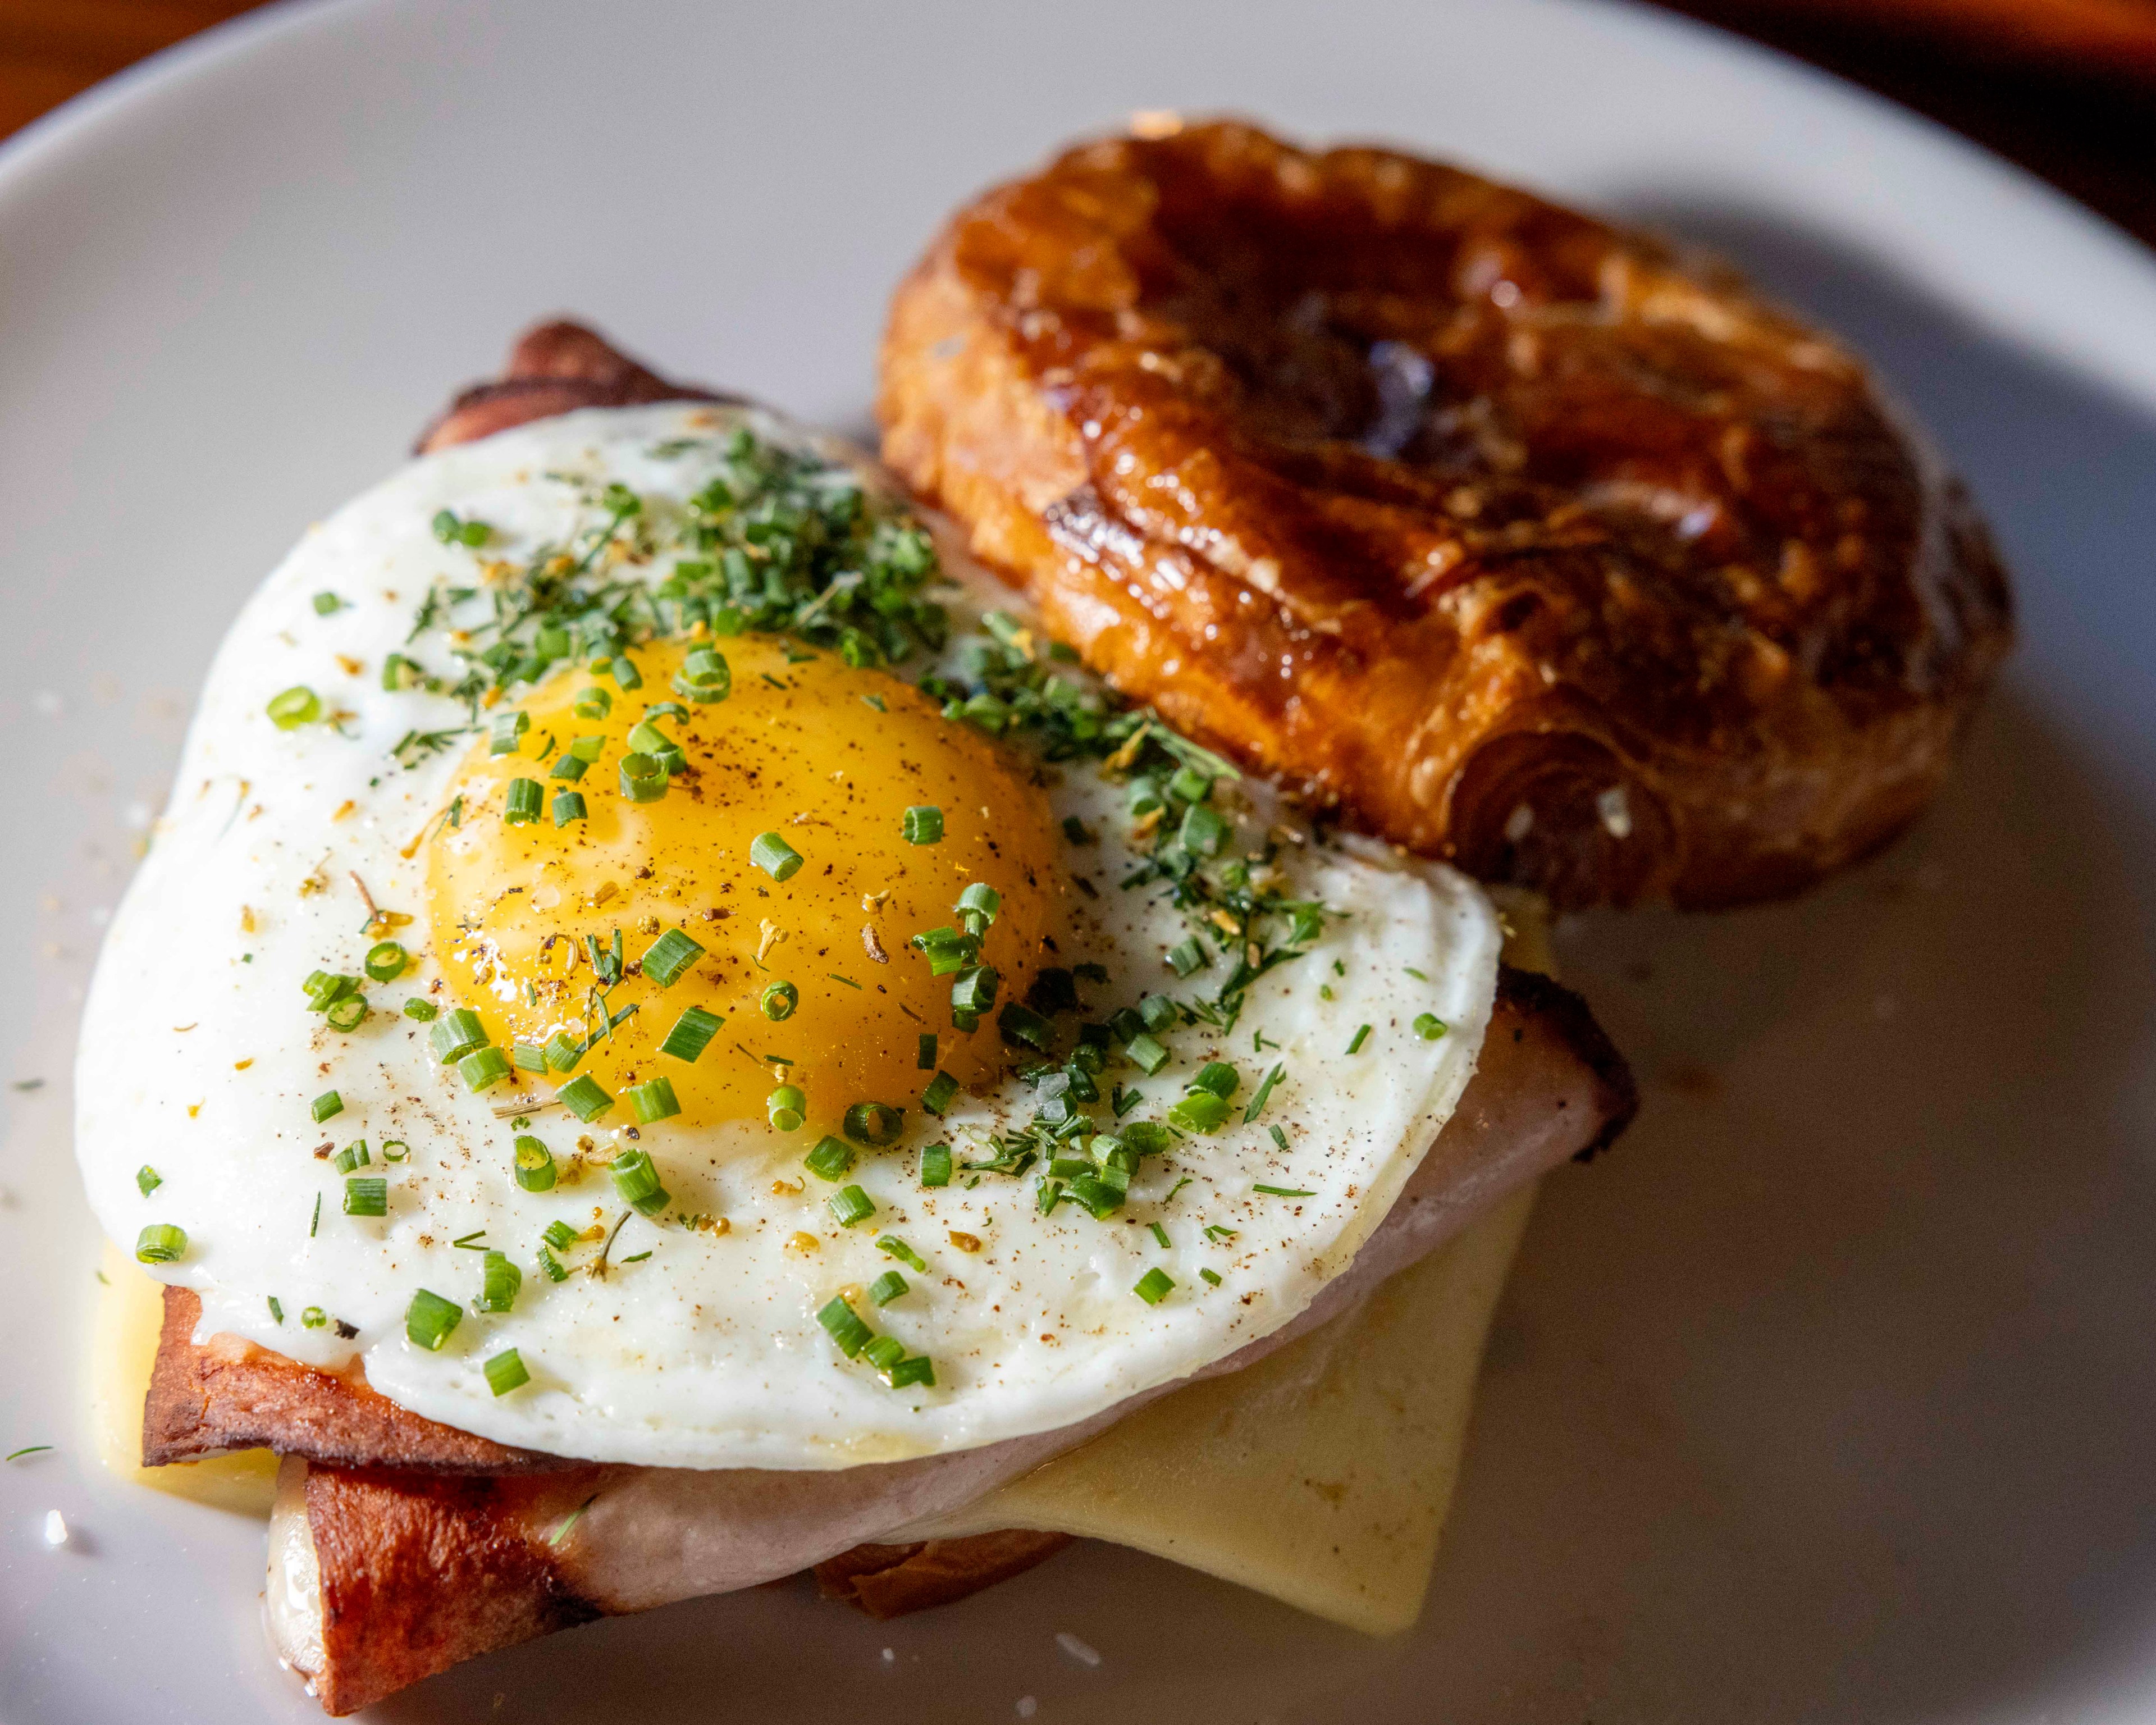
[{"x": 828, "y": 758}]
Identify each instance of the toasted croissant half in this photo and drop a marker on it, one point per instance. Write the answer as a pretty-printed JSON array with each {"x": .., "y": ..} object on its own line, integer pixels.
[{"x": 1534, "y": 545}]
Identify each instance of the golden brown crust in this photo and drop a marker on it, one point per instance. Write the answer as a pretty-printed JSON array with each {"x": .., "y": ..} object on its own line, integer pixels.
[
  {"x": 422, "y": 1571},
  {"x": 1536, "y": 546},
  {"x": 227, "y": 1393},
  {"x": 893, "y": 1581}
]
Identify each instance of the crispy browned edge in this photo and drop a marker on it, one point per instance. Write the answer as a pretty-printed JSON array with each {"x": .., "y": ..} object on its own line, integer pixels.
[
  {"x": 210, "y": 1398},
  {"x": 435, "y": 1546},
  {"x": 555, "y": 368},
  {"x": 891, "y": 1580}
]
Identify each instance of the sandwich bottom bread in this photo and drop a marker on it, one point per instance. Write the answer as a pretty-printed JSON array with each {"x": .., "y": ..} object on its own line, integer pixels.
[{"x": 401, "y": 1542}]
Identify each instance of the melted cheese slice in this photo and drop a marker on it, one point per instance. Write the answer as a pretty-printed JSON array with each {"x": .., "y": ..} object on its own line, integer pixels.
[{"x": 1322, "y": 1473}]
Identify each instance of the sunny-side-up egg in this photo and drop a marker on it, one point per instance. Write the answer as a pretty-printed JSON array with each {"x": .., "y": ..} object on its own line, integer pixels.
[{"x": 659, "y": 970}]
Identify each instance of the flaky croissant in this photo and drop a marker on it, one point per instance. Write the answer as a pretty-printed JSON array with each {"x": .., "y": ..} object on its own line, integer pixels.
[{"x": 1529, "y": 543}]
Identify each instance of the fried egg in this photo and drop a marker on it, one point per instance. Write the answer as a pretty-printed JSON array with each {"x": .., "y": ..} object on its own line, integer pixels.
[{"x": 630, "y": 1035}]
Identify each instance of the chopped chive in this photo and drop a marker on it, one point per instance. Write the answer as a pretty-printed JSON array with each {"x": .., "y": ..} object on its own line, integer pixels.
[
  {"x": 560, "y": 1235},
  {"x": 1154, "y": 1286},
  {"x": 1265, "y": 1089},
  {"x": 922, "y": 824},
  {"x": 421, "y": 1011},
  {"x": 506, "y": 1371},
  {"x": 483, "y": 1067},
  {"x": 704, "y": 676},
  {"x": 653, "y": 1100},
  {"x": 348, "y": 1014},
  {"x": 941, "y": 1088},
  {"x": 563, "y": 1051},
  {"x": 327, "y": 604},
  {"x": 980, "y": 899},
  {"x": 452, "y": 531},
  {"x": 1203, "y": 830},
  {"x": 785, "y": 1107},
  {"x": 385, "y": 961},
  {"x": 778, "y": 1000},
  {"x": 396, "y": 1150},
  {"x": 691, "y": 1034},
  {"x": 506, "y": 733},
  {"x": 1023, "y": 1025},
  {"x": 845, "y": 1327},
  {"x": 314, "y": 1226},
  {"x": 834, "y": 976},
  {"x": 499, "y": 1282},
  {"x": 1147, "y": 1053},
  {"x": 624, "y": 672},
  {"x": 584, "y": 1098},
  {"x": 875, "y": 1123},
  {"x": 1159, "y": 1233},
  {"x": 367, "y": 1195},
  {"x": 159, "y": 1243},
  {"x": 313, "y": 1318},
  {"x": 293, "y": 707},
  {"x": 569, "y": 766},
  {"x": 552, "y": 1267},
  {"x": 936, "y": 1165},
  {"x": 831, "y": 1159},
  {"x": 1429, "y": 1026},
  {"x": 884, "y": 1352},
  {"x": 353, "y": 1155},
  {"x": 1189, "y": 955},
  {"x": 1212, "y": 1277},
  {"x": 974, "y": 992},
  {"x": 907, "y": 1372},
  {"x": 276, "y": 1309},
  {"x": 147, "y": 1179},
  {"x": 457, "y": 1035},
  {"x": 643, "y": 777},
  {"x": 593, "y": 703},
  {"x": 525, "y": 797},
  {"x": 850, "y": 1205},
  {"x": 1285, "y": 1191},
  {"x": 1076, "y": 831},
  {"x": 925, "y": 1060},
  {"x": 892, "y": 1246},
  {"x": 568, "y": 806},
  {"x": 1362, "y": 1036},
  {"x": 1279, "y": 1138},
  {"x": 1158, "y": 1012},
  {"x": 775, "y": 856},
  {"x": 1219, "y": 1077},
  {"x": 535, "y": 1164},
  {"x": 429, "y": 1319},
  {"x": 669, "y": 957},
  {"x": 527, "y": 1056},
  {"x": 637, "y": 1181}
]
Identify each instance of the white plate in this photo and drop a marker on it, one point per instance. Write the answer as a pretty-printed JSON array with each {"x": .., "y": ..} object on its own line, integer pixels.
[{"x": 1829, "y": 1396}]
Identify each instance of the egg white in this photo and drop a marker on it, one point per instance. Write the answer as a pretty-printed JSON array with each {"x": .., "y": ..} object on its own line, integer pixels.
[{"x": 198, "y": 1058}]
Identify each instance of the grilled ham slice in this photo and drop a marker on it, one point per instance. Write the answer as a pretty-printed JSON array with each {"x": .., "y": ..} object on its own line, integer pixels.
[{"x": 1536, "y": 546}]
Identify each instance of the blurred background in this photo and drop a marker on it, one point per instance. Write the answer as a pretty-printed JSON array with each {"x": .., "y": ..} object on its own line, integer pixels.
[{"x": 2067, "y": 87}]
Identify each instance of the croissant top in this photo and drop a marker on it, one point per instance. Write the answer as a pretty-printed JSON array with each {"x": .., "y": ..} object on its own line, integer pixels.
[{"x": 1528, "y": 542}]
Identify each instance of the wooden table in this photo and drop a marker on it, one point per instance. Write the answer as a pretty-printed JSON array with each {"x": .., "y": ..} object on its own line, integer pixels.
[{"x": 2066, "y": 87}]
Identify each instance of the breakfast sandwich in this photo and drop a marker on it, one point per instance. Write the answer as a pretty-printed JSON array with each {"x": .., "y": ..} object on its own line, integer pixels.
[{"x": 739, "y": 1023}]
